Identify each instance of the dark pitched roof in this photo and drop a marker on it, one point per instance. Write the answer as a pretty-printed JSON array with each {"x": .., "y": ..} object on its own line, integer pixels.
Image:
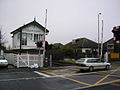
[
  {"x": 31, "y": 23},
  {"x": 82, "y": 43},
  {"x": 110, "y": 41}
]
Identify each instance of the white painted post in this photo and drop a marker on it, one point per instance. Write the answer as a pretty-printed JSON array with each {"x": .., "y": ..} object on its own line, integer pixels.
[
  {"x": 106, "y": 57},
  {"x": 28, "y": 60},
  {"x": 18, "y": 61},
  {"x": 41, "y": 60}
]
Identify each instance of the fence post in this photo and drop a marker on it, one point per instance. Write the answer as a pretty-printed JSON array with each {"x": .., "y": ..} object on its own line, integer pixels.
[
  {"x": 50, "y": 60},
  {"x": 41, "y": 61}
]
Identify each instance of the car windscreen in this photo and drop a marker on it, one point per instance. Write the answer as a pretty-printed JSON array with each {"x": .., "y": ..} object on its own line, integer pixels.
[
  {"x": 2, "y": 57},
  {"x": 81, "y": 60}
]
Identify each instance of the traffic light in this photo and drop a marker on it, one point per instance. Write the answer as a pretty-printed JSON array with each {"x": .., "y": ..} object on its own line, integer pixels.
[
  {"x": 39, "y": 44},
  {"x": 117, "y": 37},
  {"x": 116, "y": 32}
]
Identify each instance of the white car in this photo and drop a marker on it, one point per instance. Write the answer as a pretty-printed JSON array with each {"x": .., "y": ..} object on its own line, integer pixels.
[
  {"x": 3, "y": 62},
  {"x": 92, "y": 63}
]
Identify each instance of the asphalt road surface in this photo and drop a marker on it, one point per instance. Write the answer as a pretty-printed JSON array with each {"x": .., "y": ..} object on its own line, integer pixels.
[{"x": 63, "y": 78}]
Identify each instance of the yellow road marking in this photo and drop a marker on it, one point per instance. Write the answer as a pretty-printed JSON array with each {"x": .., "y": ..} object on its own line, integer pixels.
[
  {"x": 76, "y": 81},
  {"x": 106, "y": 76},
  {"x": 69, "y": 73},
  {"x": 115, "y": 75},
  {"x": 50, "y": 73},
  {"x": 115, "y": 84},
  {"x": 108, "y": 82},
  {"x": 68, "y": 78},
  {"x": 60, "y": 70},
  {"x": 87, "y": 76},
  {"x": 99, "y": 85},
  {"x": 96, "y": 84}
]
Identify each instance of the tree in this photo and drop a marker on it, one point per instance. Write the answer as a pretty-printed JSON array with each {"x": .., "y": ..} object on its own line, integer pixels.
[
  {"x": 2, "y": 38},
  {"x": 2, "y": 41}
]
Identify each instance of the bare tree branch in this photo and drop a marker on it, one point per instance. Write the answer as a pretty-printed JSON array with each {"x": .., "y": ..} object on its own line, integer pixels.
[{"x": 2, "y": 38}]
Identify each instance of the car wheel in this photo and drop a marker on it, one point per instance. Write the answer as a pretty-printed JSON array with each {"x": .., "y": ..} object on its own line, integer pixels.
[
  {"x": 107, "y": 67},
  {"x": 91, "y": 68}
]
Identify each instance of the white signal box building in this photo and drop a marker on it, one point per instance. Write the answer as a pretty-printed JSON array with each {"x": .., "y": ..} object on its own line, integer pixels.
[{"x": 27, "y": 35}]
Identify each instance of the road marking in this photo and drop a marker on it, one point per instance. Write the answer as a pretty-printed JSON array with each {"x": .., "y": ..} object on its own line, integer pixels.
[
  {"x": 70, "y": 73},
  {"x": 75, "y": 81},
  {"x": 68, "y": 78},
  {"x": 106, "y": 76},
  {"x": 60, "y": 70},
  {"x": 12, "y": 73},
  {"x": 79, "y": 88},
  {"x": 118, "y": 80},
  {"x": 45, "y": 75},
  {"x": 115, "y": 84},
  {"x": 4, "y": 80},
  {"x": 115, "y": 75},
  {"x": 87, "y": 76}
]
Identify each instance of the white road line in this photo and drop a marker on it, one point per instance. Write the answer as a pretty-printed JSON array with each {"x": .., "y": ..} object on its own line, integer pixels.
[
  {"x": 42, "y": 74},
  {"x": 17, "y": 79}
]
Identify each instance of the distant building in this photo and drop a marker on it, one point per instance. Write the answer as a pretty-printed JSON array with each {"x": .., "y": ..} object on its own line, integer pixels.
[
  {"x": 27, "y": 35},
  {"x": 83, "y": 45},
  {"x": 109, "y": 45}
]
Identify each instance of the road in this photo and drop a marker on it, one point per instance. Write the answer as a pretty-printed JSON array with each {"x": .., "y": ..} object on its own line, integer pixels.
[{"x": 62, "y": 78}]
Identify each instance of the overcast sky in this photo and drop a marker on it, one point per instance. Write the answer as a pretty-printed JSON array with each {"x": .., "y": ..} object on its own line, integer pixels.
[{"x": 67, "y": 19}]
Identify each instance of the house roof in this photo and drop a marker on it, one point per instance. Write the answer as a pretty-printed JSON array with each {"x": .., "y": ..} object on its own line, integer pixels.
[
  {"x": 31, "y": 23},
  {"x": 82, "y": 43},
  {"x": 110, "y": 41}
]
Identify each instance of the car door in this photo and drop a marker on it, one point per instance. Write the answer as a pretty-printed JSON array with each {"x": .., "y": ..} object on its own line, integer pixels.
[{"x": 98, "y": 64}]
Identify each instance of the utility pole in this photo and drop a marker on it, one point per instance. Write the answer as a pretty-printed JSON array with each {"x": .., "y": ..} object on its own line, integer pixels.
[
  {"x": 44, "y": 50},
  {"x": 0, "y": 41},
  {"x": 0, "y": 38},
  {"x": 98, "y": 35},
  {"x": 101, "y": 53}
]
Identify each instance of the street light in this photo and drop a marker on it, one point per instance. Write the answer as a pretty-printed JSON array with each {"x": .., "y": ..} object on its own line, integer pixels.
[
  {"x": 98, "y": 35},
  {"x": 44, "y": 49}
]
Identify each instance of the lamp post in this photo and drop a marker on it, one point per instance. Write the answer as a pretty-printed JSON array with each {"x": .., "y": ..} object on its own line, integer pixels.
[
  {"x": 98, "y": 35},
  {"x": 44, "y": 49},
  {"x": 101, "y": 51}
]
